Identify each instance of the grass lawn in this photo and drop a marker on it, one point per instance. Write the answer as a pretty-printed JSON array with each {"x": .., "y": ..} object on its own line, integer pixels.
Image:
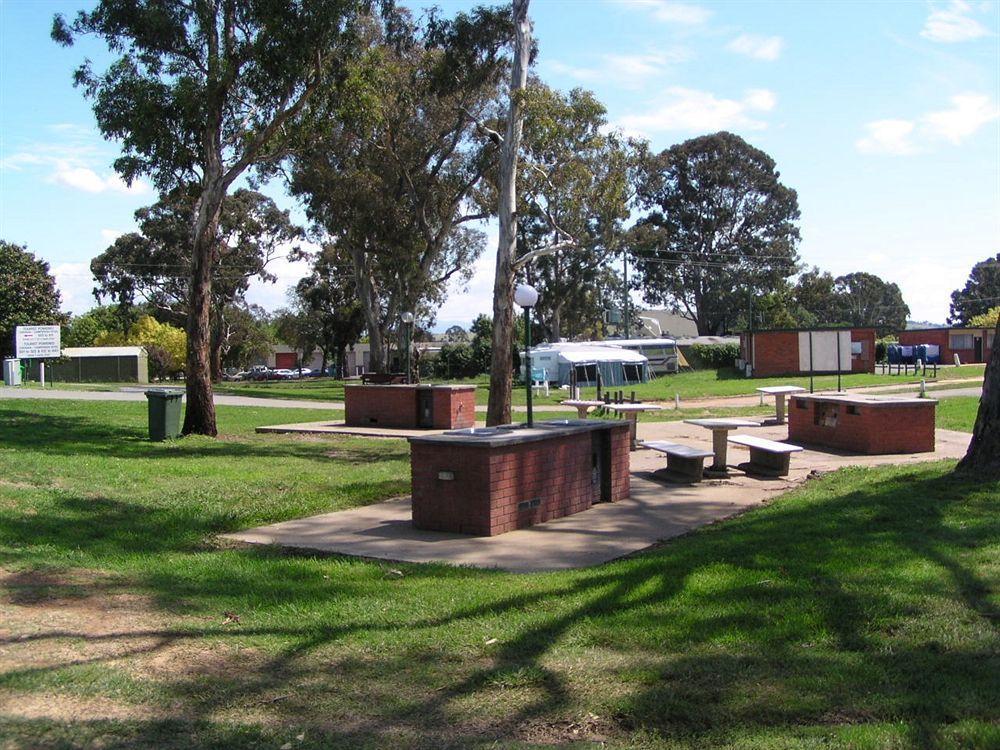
[
  {"x": 857, "y": 611},
  {"x": 689, "y": 385}
]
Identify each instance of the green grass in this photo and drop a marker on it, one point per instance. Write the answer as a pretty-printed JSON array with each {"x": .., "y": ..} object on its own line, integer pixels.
[
  {"x": 858, "y": 611},
  {"x": 688, "y": 385},
  {"x": 958, "y": 413}
]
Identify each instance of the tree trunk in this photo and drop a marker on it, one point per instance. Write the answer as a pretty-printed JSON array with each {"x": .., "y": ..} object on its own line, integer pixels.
[
  {"x": 370, "y": 309},
  {"x": 199, "y": 414},
  {"x": 983, "y": 456},
  {"x": 501, "y": 365},
  {"x": 216, "y": 351}
]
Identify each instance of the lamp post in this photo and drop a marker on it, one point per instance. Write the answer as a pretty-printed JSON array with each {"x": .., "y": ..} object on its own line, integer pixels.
[
  {"x": 527, "y": 296},
  {"x": 407, "y": 319}
]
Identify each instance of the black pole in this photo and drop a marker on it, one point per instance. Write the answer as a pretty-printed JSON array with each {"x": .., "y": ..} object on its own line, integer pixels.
[
  {"x": 625, "y": 311},
  {"x": 527, "y": 361},
  {"x": 409, "y": 329},
  {"x": 839, "y": 367}
]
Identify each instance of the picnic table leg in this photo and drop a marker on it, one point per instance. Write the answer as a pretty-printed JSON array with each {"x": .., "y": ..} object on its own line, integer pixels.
[
  {"x": 779, "y": 407},
  {"x": 633, "y": 421},
  {"x": 719, "y": 449},
  {"x": 581, "y": 412}
]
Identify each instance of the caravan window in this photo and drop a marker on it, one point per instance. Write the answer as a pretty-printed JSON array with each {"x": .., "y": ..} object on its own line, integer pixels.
[
  {"x": 586, "y": 373},
  {"x": 632, "y": 373}
]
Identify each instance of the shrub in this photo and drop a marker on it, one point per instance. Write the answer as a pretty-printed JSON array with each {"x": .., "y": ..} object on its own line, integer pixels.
[
  {"x": 456, "y": 361},
  {"x": 715, "y": 356}
]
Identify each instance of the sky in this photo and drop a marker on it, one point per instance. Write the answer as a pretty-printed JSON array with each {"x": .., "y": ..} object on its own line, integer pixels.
[{"x": 883, "y": 116}]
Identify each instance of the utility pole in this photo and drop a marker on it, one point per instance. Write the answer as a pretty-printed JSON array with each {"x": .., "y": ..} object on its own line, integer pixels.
[{"x": 625, "y": 305}]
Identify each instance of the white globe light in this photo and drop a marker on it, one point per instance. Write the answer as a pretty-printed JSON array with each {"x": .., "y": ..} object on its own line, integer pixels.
[
  {"x": 407, "y": 317},
  {"x": 525, "y": 295}
]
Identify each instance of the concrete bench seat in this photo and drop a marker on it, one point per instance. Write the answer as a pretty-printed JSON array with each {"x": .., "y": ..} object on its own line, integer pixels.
[
  {"x": 684, "y": 463},
  {"x": 767, "y": 457}
]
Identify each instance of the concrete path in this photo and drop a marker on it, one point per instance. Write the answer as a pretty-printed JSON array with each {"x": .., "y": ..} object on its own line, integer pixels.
[{"x": 656, "y": 511}]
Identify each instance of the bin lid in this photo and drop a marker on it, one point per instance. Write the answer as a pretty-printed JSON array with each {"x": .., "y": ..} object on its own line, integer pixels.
[{"x": 164, "y": 392}]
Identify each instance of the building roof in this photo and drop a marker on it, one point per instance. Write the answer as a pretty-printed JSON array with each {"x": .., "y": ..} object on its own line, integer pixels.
[
  {"x": 819, "y": 329},
  {"x": 586, "y": 353},
  {"x": 104, "y": 351},
  {"x": 946, "y": 329}
]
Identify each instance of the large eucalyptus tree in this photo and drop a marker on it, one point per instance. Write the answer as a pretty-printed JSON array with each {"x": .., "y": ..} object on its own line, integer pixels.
[{"x": 200, "y": 92}]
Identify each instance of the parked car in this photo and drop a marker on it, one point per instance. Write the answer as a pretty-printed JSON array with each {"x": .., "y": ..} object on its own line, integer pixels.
[
  {"x": 281, "y": 374},
  {"x": 258, "y": 372}
]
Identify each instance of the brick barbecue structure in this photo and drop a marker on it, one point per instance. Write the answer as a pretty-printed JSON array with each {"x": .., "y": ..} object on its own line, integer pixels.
[
  {"x": 787, "y": 351},
  {"x": 437, "y": 407},
  {"x": 493, "y": 480},
  {"x": 870, "y": 425},
  {"x": 970, "y": 344}
]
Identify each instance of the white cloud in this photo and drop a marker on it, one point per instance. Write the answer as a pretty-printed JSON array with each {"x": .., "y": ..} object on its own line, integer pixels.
[
  {"x": 668, "y": 11},
  {"x": 968, "y": 113},
  {"x": 110, "y": 235},
  {"x": 757, "y": 47},
  {"x": 893, "y": 137},
  {"x": 701, "y": 111},
  {"x": 953, "y": 23},
  {"x": 87, "y": 180},
  {"x": 629, "y": 71},
  {"x": 75, "y": 284}
]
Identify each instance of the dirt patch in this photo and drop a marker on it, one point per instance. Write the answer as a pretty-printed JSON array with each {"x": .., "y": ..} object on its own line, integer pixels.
[{"x": 586, "y": 728}]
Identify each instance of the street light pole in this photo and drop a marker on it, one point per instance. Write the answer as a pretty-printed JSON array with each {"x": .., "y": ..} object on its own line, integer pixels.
[
  {"x": 527, "y": 296},
  {"x": 407, "y": 318}
]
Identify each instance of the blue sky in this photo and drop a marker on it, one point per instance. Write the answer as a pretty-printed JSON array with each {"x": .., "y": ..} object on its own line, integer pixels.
[{"x": 883, "y": 116}]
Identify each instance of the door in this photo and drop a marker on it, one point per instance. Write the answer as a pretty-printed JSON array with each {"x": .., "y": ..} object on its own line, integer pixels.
[
  {"x": 425, "y": 407},
  {"x": 977, "y": 345}
]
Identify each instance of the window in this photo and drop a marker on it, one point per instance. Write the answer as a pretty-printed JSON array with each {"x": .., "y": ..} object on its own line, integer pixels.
[
  {"x": 856, "y": 348},
  {"x": 961, "y": 341},
  {"x": 586, "y": 374}
]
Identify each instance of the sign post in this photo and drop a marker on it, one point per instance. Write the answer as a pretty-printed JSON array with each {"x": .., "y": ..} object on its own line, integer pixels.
[{"x": 38, "y": 342}]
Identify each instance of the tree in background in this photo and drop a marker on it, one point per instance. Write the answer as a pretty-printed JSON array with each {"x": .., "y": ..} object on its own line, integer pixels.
[
  {"x": 815, "y": 299},
  {"x": 867, "y": 301},
  {"x": 201, "y": 92},
  {"x": 980, "y": 293},
  {"x": 576, "y": 182},
  {"x": 988, "y": 319},
  {"x": 151, "y": 265},
  {"x": 456, "y": 334},
  {"x": 83, "y": 330},
  {"x": 720, "y": 226},
  {"x": 395, "y": 178},
  {"x": 298, "y": 329},
  {"x": 246, "y": 336},
  {"x": 165, "y": 344},
  {"x": 328, "y": 299},
  {"x": 28, "y": 294}
]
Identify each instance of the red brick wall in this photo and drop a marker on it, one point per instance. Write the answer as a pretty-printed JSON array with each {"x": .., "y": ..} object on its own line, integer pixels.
[
  {"x": 488, "y": 484},
  {"x": 864, "y": 362},
  {"x": 776, "y": 353},
  {"x": 872, "y": 431},
  {"x": 942, "y": 338},
  {"x": 454, "y": 409},
  {"x": 397, "y": 407}
]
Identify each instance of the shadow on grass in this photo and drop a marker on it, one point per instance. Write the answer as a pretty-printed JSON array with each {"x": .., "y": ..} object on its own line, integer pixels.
[
  {"x": 827, "y": 633},
  {"x": 81, "y": 436}
]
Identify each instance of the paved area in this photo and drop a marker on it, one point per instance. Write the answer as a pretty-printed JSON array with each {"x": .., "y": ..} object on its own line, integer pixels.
[{"x": 656, "y": 511}]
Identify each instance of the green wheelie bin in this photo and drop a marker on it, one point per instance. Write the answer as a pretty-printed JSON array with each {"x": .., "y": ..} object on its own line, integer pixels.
[{"x": 164, "y": 413}]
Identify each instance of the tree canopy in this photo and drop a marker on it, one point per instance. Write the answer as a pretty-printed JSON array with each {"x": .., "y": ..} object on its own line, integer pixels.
[
  {"x": 396, "y": 179},
  {"x": 577, "y": 182},
  {"x": 720, "y": 227},
  {"x": 980, "y": 293},
  {"x": 198, "y": 93},
  {"x": 28, "y": 293}
]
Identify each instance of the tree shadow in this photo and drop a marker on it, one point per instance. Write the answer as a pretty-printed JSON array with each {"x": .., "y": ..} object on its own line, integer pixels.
[{"x": 803, "y": 613}]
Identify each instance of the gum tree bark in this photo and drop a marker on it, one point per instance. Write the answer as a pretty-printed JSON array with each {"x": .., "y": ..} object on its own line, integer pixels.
[
  {"x": 501, "y": 362},
  {"x": 983, "y": 456}
]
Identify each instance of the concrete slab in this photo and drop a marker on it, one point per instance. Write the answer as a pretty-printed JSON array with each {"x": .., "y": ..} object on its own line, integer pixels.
[{"x": 655, "y": 512}]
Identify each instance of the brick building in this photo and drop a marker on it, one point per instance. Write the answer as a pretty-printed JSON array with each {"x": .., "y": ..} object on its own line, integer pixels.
[
  {"x": 970, "y": 344},
  {"x": 799, "y": 351}
]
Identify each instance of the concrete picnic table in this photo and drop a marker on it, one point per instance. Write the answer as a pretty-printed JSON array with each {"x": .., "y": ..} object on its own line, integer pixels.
[
  {"x": 631, "y": 413},
  {"x": 720, "y": 433},
  {"x": 780, "y": 392},
  {"x": 582, "y": 407}
]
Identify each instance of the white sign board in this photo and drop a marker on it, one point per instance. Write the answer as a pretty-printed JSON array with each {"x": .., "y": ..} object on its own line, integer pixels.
[
  {"x": 829, "y": 349},
  {"x": 37, "y": 342}
]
